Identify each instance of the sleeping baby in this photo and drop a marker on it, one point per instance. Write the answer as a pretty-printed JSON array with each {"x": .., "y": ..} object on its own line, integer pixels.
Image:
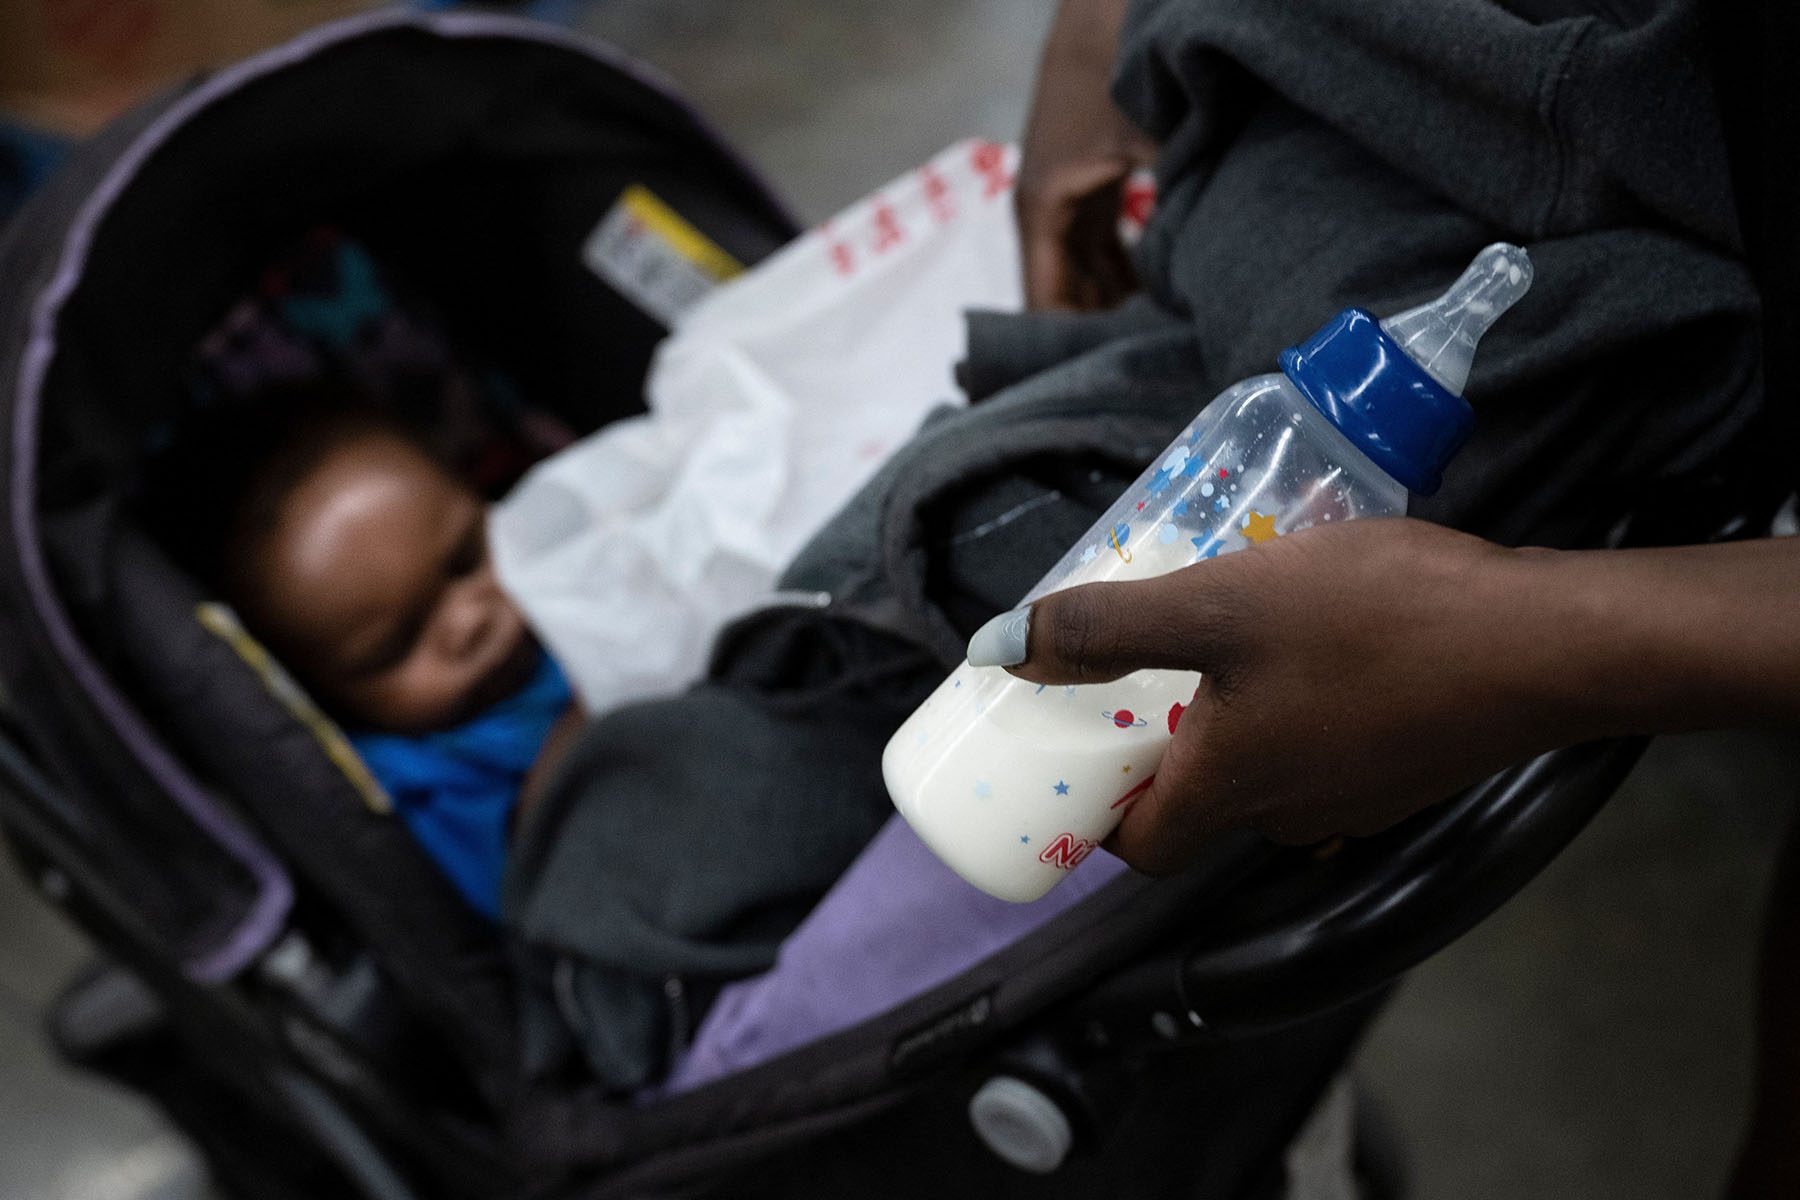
[{"x": 361, "y": 560}]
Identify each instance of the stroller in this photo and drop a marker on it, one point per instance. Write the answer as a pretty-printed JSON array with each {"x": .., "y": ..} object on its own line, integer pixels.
[{"x": 290, "y": 978}]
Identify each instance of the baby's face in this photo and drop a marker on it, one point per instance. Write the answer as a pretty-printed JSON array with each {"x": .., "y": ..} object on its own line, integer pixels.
[{"x": 375, "y": 585}]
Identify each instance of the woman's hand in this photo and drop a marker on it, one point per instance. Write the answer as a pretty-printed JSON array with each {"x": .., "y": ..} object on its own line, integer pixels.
[
  {"x": 1079, "y": 150},
  {"x": 1351, "y": 675}
]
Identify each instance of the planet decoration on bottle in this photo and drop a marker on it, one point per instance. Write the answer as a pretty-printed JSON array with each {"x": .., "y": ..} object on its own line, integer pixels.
[{"x": 1125, "y": 719}]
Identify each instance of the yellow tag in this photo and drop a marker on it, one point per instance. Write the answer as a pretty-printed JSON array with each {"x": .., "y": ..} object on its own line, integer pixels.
[
  {"x": 654, "y": 257},
  {"x": 682, "y": 237},
  {"x": 223, "y": 624}
]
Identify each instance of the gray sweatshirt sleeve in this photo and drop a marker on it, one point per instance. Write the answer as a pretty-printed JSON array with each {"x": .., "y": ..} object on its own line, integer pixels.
[{"x": 1576, "y": 115}]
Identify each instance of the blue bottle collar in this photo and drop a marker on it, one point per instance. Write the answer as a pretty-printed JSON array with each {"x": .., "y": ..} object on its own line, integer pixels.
[{"x": 1390, "y": 408}]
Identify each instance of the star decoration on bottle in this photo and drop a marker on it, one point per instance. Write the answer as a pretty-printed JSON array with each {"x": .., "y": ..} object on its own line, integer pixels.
[
  {"x": 1259, "y": 528},
  {"x": 1061, "y": 788}
]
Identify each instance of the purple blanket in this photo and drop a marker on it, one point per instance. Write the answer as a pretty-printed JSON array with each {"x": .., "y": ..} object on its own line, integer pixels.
[{"x": 898, "y": 923}]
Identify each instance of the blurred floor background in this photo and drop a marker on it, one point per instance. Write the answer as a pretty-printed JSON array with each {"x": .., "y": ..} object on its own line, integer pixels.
[{"x": 1592, "y": 1039}]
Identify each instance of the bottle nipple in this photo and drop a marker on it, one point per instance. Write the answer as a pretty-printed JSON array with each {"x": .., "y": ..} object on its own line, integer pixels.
[{"x": 1441, "y": 336}]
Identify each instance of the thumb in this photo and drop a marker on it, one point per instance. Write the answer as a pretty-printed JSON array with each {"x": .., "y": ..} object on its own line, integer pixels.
[
  {"x": 1048, "y": 272},
  {"x": 1100, "y": 631}
]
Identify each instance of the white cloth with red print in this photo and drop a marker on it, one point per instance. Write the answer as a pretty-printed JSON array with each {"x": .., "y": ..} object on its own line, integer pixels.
[{"x": 774, "y": 399}]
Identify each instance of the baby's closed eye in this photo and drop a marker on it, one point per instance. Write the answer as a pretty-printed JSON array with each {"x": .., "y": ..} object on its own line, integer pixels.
[{"x": 470, "y": 553}]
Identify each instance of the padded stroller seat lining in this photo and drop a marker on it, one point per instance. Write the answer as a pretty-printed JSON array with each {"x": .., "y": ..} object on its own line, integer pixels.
[{"x": 234, "y": 719}]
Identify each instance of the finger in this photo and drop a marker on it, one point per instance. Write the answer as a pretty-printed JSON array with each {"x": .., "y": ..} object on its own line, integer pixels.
[
  {"x": 1111, "y": 267},
  {"x": 1104, "y": 281},
  {"x": 1095, "y": 248},
  {"x": 1100, "y": 631},
  {"x": 1049, "y": 208},
  {"x": 1166, "y": 826},
  {"x": 1170, "y": 822},
  {"x": 1043, "y": 250},
  {"x": 1089, "y": 294}
]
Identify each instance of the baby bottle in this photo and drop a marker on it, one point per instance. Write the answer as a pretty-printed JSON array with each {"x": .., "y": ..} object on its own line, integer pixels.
[{"x": 1014, "y": 783}]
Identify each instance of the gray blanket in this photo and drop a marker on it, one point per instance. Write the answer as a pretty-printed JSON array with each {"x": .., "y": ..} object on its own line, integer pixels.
[{"x": 1318, "y": 153}]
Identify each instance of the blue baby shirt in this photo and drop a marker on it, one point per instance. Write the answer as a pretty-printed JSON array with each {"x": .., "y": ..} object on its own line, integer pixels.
[{"x": 456, "y": 789}]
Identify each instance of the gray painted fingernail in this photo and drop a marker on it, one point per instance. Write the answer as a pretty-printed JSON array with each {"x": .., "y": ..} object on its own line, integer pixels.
[{"x": 1001, "y": 642}]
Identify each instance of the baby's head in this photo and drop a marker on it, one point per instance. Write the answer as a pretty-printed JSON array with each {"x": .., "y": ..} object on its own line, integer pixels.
[{"x": 363, "y": 563}]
